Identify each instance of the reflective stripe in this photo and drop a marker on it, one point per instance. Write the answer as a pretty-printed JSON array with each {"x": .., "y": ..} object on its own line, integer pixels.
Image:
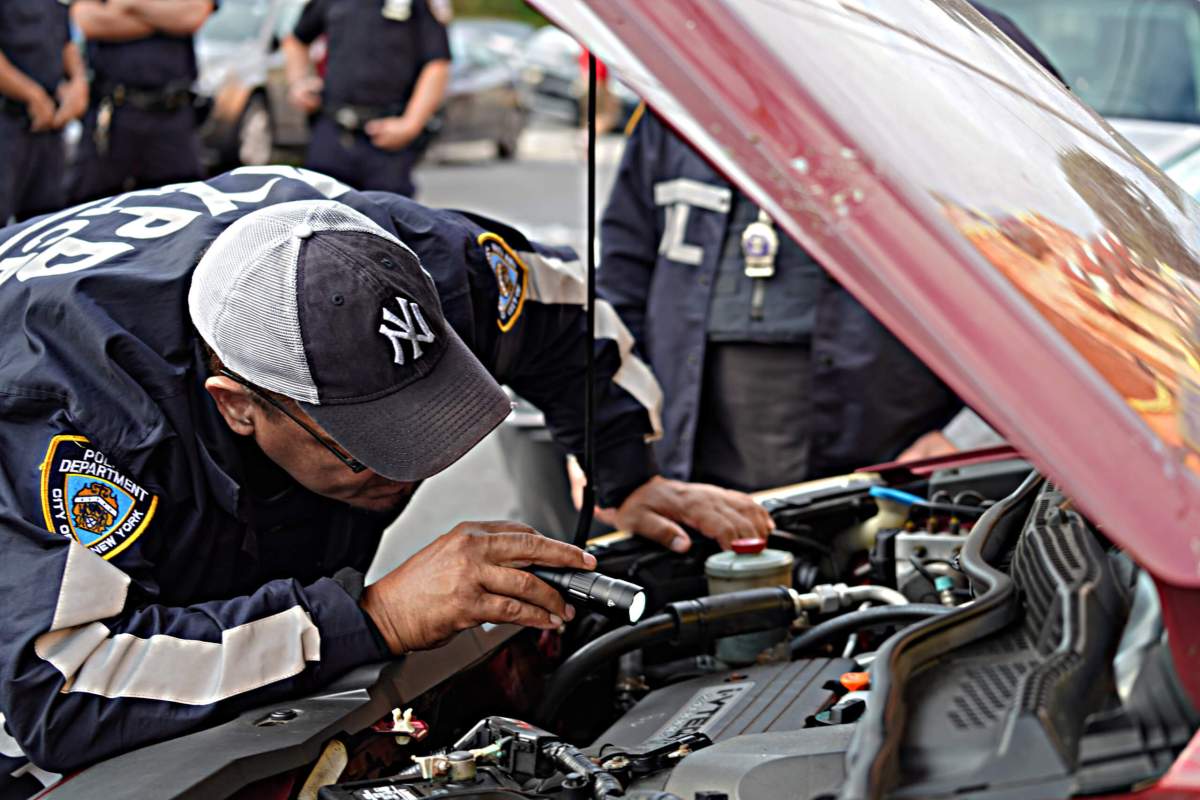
[
  {"x": 8, "y": 745},
  {"x": 91, "y": 589},
  {"x": 177, "y": 670},
  {"x": 551, "y": 280},
  {"x": 694, "y": 193}
]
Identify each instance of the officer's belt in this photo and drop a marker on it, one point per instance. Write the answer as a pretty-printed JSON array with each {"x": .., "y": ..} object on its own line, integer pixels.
[
  {"x": 355, "y": 117},
  {"x": 168, "y": 98}
]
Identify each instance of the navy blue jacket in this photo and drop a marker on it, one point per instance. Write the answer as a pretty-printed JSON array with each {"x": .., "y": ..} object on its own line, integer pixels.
[
  {"x": 871, "y": 397},
  {"x": 158, "y": 573}
]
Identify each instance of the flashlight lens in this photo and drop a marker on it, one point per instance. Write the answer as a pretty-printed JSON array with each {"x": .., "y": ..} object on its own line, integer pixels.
[{"x": 637, "y": 607}]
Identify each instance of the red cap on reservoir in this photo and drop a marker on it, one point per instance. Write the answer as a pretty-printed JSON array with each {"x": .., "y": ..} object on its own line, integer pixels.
[{"x": 749, "y": 545}]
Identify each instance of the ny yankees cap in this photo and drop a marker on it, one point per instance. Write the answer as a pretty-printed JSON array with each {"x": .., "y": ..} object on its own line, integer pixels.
[{"x": 313, "y": 300}]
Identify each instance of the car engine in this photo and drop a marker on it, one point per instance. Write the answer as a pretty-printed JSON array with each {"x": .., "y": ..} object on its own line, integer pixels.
[{"x": 767, "y": 673}]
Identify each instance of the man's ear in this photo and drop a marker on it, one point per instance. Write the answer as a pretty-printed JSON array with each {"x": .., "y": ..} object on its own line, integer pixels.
[{"x": 233, "y": 400}]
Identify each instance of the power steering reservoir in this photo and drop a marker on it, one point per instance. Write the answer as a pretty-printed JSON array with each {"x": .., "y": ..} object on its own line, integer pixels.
[{"x": 750, "y": 565}]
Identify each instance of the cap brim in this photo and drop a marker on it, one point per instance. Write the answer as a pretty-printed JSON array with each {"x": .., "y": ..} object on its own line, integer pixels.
[{"x": 418, "y": 431}]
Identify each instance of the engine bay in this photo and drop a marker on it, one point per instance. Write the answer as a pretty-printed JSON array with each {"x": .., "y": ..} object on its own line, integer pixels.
[{"x": 959, "y": 633}]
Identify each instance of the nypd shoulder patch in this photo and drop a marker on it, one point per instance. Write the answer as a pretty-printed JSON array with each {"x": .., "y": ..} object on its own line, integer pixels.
[
  {"x": 90, "y": 500},
  {"x": 511, "y": 278}
]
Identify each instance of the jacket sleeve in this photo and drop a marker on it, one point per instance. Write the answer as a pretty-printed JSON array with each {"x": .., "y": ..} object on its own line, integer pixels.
[
  {"x": 630, "y": 231},
  {"x": 520, "y": 307},
  {"x": 91, "y": 667}
]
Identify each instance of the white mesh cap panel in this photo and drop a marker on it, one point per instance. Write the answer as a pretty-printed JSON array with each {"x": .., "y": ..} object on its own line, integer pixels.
[{"x": 243, "y": 294}]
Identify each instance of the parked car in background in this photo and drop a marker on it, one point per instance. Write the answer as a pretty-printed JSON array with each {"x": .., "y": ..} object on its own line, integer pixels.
[
  {"x": 553, "y": 81},
  {"x": 1134, "y": 61},
  {"x": 243, "y": 84},
  {"x": 484, "y": 100}
]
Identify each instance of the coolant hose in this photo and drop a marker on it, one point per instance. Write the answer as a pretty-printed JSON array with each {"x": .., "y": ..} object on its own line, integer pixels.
[
  {"x": 685, "y": 623},
  {"x": 848, "y": 623}
]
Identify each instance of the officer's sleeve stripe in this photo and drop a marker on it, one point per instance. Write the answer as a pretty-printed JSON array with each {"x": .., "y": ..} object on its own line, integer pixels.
[
  {"x": 551, "y": 280},
  {"x": 170, "y": 669},
  {"x": 91, "y": 589},
  {"x": 161, "y": 667}
]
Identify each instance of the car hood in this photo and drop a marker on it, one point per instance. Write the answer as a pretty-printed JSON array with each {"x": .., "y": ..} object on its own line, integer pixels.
[
  {"x": 1164, "y": 143},
  {"x": 1011, "y": 237}
]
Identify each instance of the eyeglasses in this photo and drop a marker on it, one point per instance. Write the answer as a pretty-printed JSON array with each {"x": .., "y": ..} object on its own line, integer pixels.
[{"x": 354, "y": 464}]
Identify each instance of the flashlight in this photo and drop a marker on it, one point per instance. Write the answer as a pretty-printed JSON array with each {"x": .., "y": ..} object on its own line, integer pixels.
[{"x": 610, "y": 595}]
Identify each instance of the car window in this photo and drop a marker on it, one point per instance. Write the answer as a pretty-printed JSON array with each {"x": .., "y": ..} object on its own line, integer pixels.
[
  {"x": 1125, "y": 58},
  {"x": 236, "y": 20}
]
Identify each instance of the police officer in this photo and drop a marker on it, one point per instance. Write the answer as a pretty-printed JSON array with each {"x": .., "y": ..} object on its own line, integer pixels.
[
  {"x": 42, "y": 88},
  {"x": 187, "y": 508},
  {"x": 771, "y": 372},
  {"x": 140, "y": 129},
  {"x": 387, "y": 69}
]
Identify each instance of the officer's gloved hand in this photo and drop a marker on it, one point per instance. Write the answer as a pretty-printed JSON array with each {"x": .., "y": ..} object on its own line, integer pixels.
[
  {"x": 659, "y": 507},
  {"x": 467, "y": 577}
]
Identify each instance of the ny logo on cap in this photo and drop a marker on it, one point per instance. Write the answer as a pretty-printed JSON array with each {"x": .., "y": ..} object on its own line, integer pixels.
[{"x": 404, "y": 331}]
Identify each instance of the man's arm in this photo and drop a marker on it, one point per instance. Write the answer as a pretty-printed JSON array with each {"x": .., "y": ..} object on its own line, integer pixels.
[
  {"x": 18, "y": 86},
  {"x": 73, "y": 92},
  {"x": 304, "y": 87},
  {"x": 172, "y": 17},
  {"x": 106, "y": 22}
]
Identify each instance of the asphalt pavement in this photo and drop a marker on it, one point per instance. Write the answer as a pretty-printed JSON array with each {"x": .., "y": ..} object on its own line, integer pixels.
[{"x": 541, "y": 193}]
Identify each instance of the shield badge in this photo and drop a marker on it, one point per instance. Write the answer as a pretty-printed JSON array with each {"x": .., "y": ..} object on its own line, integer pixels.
[
  {"x": 511, "y": 279},
  {"x": 87, "y": 498}
]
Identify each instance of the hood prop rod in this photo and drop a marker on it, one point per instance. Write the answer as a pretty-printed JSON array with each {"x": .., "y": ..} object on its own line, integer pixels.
[{"x": 584, "y": 523}]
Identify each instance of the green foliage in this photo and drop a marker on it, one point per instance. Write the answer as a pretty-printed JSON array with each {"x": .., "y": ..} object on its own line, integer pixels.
[{"x": 505, "y": 9}]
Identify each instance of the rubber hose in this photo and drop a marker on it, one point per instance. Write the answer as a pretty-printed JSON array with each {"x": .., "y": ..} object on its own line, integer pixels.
[
  {"x": 848, "y": 623},
  {"x": 658, "y": 629}
]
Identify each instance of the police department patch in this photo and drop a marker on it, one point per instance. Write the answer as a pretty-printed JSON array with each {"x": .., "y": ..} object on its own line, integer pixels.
[
  {"x": 511, "y": 278},
  {"x": 90, "y": 500}
]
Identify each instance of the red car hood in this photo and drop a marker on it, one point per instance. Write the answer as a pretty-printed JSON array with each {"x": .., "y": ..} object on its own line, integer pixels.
[{"x": 1044, "y": 268}]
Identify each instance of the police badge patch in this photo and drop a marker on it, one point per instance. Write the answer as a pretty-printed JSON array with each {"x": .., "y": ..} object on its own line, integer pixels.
[
  {"x": 511, "y": 278},
  {"x": 90, "y": 500}
]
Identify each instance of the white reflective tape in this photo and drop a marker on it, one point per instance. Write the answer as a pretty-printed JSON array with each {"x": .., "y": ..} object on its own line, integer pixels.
[
  {"x": 8, "y": 745},
  {"x": 170, "y": 669},
  {"x": 672, "y": 245},
  {"x": 551, "y": 280},
  {"x": 694, "y": 193},
  {"x": 91, "y": 589}
]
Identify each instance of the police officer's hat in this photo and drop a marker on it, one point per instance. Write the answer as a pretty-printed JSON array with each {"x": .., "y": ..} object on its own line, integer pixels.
[{"x": 313, "y": 300}]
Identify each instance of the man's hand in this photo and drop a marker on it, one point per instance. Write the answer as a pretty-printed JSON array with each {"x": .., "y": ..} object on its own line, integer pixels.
[
  {"x": 659, "y": 506},
  {"x": 305, "y": 93},
  {"x": 392, "y": 133},
  {"x": 930, "y": 445},
  {"x": 41, "y": 109},
  {"x": 467, "y": 577},
  {"x": 72, "y": 101}
]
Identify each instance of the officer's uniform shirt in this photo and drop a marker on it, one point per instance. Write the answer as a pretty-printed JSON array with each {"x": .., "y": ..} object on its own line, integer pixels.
[
  {"x": 755, "y": 403},
  {"x": 817, "y": 387},
  {"x": 161, "y": 574},
  {"x": 32, "y": 36},
  {"x": 156, "y": 62},
  {"x": 377, "y": 48}
]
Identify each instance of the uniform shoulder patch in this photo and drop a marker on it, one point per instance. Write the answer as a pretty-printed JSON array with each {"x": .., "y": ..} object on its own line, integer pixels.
[
  {"x": 512, "y": 278},
  {"x": 88, "y": 499}
]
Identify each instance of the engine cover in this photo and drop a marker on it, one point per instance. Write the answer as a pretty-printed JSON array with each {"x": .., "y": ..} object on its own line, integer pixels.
[{"x": 756, "y": 718}]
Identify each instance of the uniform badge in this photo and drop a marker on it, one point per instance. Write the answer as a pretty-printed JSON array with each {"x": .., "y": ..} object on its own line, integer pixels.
[
  {"x": 90, "y": 500},
  {"x": 511, "y": 279},
  {"x": 397, "y": 10}
]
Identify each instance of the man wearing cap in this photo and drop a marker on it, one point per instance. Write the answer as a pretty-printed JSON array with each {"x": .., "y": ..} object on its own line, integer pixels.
[{"x": 217, "y": 395}]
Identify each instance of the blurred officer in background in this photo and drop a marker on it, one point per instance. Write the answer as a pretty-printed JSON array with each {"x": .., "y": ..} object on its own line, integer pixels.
[
  {"x": 42, "y": 88},
  {"x": 387, "y": 70},
  {"x": 772, "y": 373},
  {"x": 140, "y": 128}
]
